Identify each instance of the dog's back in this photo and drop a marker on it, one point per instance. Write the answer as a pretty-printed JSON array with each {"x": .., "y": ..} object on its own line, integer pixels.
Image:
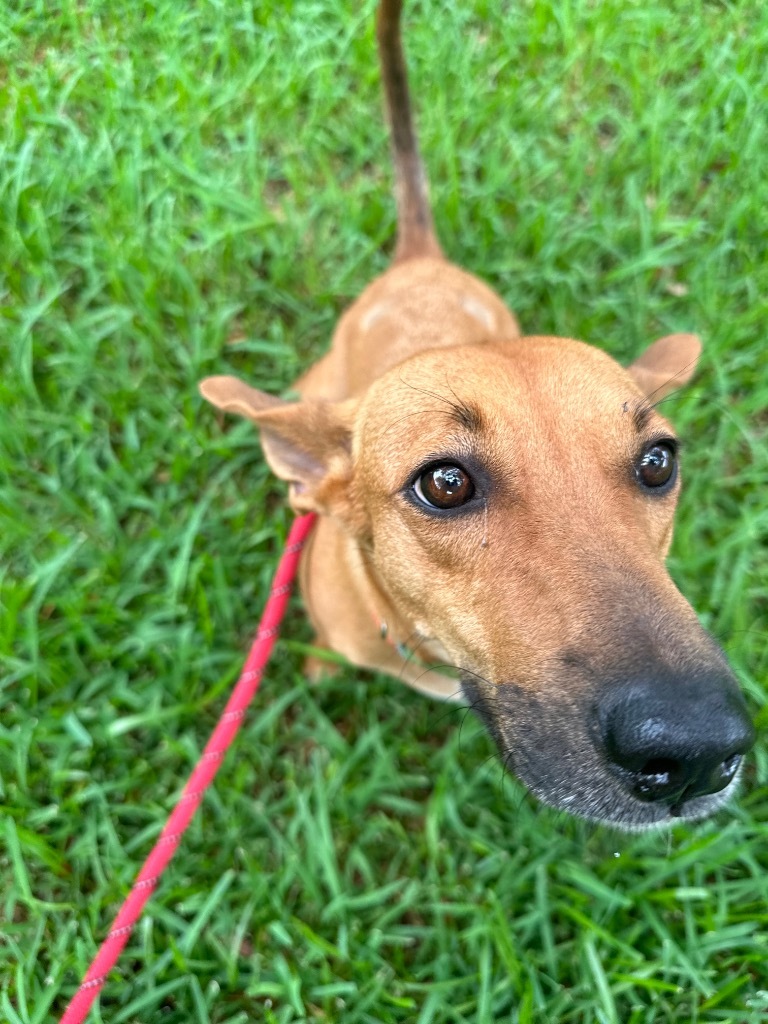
[
  {"x": 504, "y": 506},
  {"x": 422, "y": 301}
]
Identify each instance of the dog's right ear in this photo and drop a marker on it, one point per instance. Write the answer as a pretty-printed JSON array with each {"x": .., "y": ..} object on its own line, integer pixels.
[{"x": 308, "y": 443}]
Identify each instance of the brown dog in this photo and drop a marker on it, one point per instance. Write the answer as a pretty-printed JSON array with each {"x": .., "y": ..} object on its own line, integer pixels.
[{"x": 504, "y": 505}]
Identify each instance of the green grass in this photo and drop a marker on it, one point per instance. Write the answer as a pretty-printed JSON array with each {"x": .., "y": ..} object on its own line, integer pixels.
[{"x": 198, "y": 188}]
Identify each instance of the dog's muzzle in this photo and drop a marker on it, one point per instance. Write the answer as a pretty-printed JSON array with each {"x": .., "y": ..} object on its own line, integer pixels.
[
  {"x": 638, "y": 753},
  {"x": 669, "y": 741}
]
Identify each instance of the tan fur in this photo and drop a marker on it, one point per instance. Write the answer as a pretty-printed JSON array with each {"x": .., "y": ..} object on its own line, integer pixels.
[
  {"x": 539, "y": 575},
  {"x": 406, "y": 365}
]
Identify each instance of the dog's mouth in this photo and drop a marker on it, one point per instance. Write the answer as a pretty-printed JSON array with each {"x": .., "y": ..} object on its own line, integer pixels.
[
  {"x": 556, "y": 753},
  {"x": 595, "y": 795}
]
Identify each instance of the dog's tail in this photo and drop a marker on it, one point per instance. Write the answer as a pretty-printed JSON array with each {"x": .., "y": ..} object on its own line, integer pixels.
[{"x": 415, "y": 230}]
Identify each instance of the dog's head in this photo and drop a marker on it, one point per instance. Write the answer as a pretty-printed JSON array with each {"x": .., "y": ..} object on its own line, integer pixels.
[{"x": 515, "y": 501}]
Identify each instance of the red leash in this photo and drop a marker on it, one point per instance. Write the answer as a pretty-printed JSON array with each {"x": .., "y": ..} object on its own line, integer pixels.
[{"x": 205, "y": 770}]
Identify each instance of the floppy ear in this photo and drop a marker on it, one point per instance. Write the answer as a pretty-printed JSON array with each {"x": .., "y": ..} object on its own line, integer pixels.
[
  {"x": 666, "y": 365},
  {"x": 306, "y": 443}
]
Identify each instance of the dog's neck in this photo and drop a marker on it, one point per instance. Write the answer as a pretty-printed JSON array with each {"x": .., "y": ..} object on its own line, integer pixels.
[
  {"x": 355, "y": 614},
  {"x": 387, "y": 622}
]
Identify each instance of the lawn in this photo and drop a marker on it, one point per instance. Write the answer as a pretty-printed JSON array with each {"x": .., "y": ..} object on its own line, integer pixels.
[{"x": 196, "y": 188}]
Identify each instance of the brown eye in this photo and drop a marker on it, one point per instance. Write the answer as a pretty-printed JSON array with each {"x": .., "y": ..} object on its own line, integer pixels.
[
  {"x": 444, "y": 486},
  {"x": 657, "y": 466}
]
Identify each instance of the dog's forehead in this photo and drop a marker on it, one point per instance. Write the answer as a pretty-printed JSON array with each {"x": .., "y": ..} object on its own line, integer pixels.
[{"x": 552, "y": 384}]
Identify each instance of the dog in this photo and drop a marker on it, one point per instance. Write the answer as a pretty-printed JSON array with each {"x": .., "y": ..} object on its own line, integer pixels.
[{"x": 503, "y": 504}]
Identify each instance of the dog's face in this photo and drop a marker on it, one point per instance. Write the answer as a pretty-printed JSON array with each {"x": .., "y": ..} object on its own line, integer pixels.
[{"x": 515, "y": 502}]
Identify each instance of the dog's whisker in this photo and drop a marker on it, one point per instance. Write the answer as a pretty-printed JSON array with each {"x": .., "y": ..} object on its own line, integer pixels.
[{"x": 493, "y": 482}]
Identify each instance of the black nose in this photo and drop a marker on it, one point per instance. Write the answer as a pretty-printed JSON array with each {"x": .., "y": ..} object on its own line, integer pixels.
[{"x": 672, "y": 739}]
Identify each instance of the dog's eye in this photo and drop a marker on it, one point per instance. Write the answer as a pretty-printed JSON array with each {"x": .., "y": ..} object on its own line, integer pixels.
[
  {"x": 657, "y": 466},
  {"x": 444, "y": 486}
]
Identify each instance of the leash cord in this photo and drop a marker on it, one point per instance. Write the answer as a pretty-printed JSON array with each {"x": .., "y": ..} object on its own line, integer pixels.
[{"x": 227, "y": 728}]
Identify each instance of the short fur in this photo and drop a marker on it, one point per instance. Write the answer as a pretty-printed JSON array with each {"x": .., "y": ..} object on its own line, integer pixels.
[{"x": 551, "y": 584}]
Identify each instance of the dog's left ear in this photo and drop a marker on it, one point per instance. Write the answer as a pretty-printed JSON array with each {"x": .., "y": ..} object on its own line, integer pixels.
[
  {"x": 309, "y": 443},
  {"x": 666, "y": 365}
]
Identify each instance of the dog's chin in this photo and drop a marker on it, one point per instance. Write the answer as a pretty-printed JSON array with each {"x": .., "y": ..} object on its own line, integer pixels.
[
  {"x": 605, "y": 802},
  {"x": 560, "y": 764}
]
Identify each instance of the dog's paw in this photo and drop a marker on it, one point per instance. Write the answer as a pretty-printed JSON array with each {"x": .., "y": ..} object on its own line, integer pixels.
[{"x": 318, "y": 670}]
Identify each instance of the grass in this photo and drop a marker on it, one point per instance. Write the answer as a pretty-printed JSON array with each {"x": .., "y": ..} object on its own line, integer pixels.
[{"x": 197, "y": 188}]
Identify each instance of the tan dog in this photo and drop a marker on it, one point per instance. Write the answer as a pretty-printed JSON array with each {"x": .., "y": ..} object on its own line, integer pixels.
[{"x": 504, "y": 505}]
